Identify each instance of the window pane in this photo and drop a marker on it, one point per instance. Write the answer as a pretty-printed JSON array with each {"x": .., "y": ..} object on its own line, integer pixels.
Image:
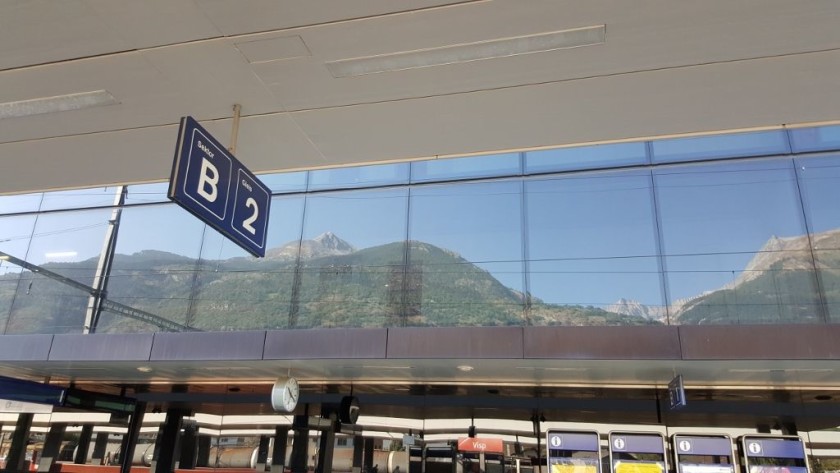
[
  {"x": 735, "y": 245},
  {"x": 14, "y": 242},
  {"x": 236, "y": 291},
  {"x": 592, "y": 250},
  {"x": 379, "y": 175},
  {"x": 154, "y": 266},
  {"x": 465, "y": 255},
  {"x": 67, "y": 244},
  {"x": 460, "y": 168},
  {"x": 10, "y": 204},
  {"x": 824, "y": 138},
  {"x": 759, "y": 143},
  {"x": 147, "y": 193},
  {"x": 586, "y": 157},
  {"x": 283, "y": 182},
  {"x": 79, "y": 198},
  {"x": 820, "y": 182},
  {"x": 352, "y": 260}
]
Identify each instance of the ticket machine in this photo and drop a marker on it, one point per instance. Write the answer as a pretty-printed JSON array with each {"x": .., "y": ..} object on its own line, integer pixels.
[
  {"x": 637, "y": 452},
  {"x": 703, "y": 453},
  {"x": 573, "y": 451},
  {"x": 773, "y": 454}
]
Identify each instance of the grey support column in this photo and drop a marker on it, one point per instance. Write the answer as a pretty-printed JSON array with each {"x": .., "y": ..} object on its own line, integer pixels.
[
  {"x": 358, "y": 453},
  {"x": 99, "y": 447},
  {"x": 167, "y": 444},
  {"x": 17, "y": 451},
  {"x": 300, "y": 446},
  {"x": 262, "y": 452},
  {"x": 84, "y": 445},
  {"x": 52, "y": 445},
  {"x": 278, "y": 454}
]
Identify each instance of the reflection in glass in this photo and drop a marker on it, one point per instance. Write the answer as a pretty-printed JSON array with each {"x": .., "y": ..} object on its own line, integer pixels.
[
  {"x": 592, "y": 250},
  {"x": 14, "y": 242},
  {"x": 820, "y": 183},
  {"x": 821, "y": 138},
  {"x": 284, "y": 182},
  {"x": 67, "y": 244},
  {"x": 460, "y": 168},
  {"x": 10, "y": 204},
  {"x": 236, "y": 291},
  {"x": 147, "y": 193},
  {"x": 154, "y": 267},
  {"x": 342, "y": 178},
  {"x": 465, "y": 255},
  {"x": 735, "y": 245},
  {"x": 352, "y": 260},
  {"x": 79, "y": 198},
  {"x": 759, "y": 143},
  {"x": 586, "y": 157}
]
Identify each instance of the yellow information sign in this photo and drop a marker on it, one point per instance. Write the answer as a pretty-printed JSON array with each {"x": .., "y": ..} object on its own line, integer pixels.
[
  {"x": 566, "y": 468},
  {"x": 638, "y": 467}
]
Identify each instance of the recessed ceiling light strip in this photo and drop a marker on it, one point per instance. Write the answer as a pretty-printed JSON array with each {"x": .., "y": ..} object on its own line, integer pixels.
[
  {"x": 60, "y": 103},
  {"x": 506, "y": 47}
]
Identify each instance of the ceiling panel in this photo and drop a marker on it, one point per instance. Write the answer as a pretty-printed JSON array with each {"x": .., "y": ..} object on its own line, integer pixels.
[
  {"x": 154, "y": 22},
  {"x": 235, "y": 18},
  {"x": 722, "y": 96}
]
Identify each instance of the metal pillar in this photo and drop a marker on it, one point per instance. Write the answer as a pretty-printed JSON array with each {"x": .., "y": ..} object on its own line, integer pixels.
[
  {"x": 84, "y": 445},
  {"x": 368, "y": 455},
  {"x": 278, "y": 454},
  {"x": 300, "y": 446},
  {"x": 168, "y": 440},
  {"x": 189, "y": 447},
  {"x": 130, "y": 438},
  {"x": 358, "y": 453},
  {"x": 17, "y": 451},
  {"x": 262, "y": 452},
  {"x": 325, "y": 450},
  {"x": 52, "y": 446},
  {"x": 204, "y": 444},
  {"x": 99, "y": 447}
]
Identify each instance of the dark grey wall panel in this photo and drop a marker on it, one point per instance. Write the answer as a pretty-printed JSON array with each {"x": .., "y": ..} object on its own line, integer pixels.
[
  {"x": 760, "y": 342},
  {"x": 603, "y": 343},
  {"x": 112, "y": 347},
  {"x": 208, "y": 346},
  {"x": 455, "y": 342},
  {"x": 25, "y": 347},
  {"x": 320, "y": 344}
]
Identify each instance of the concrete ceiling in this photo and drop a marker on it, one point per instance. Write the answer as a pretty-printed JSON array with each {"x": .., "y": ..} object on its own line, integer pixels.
[{"x": 665, "y": 68}]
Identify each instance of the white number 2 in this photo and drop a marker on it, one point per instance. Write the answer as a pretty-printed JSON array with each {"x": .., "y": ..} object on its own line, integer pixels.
[{"x": 253, "y": 218}]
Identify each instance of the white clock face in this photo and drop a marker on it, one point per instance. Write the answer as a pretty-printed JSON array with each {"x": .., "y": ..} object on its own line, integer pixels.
[
  {"x": 285, "y": 394},
  {"x": 291, "y": 394}
]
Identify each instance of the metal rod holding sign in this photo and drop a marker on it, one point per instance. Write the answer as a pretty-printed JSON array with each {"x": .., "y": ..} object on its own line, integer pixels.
[{"x": 214, "y": 186}]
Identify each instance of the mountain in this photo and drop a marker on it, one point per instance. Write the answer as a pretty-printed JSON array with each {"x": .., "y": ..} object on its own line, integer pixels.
[
  {"x": 333, "y": 284},
  {"x": 325, "y": 244},
  {"x": 637, "y": 309},
  {"x": 776, "y": 286}
]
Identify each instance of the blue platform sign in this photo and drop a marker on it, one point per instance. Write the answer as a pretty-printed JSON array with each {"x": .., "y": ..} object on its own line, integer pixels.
[{"x": 215, "y": 187}]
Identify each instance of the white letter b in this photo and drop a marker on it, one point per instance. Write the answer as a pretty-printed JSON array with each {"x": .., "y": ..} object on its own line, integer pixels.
[{"x": 209, "y": 179}]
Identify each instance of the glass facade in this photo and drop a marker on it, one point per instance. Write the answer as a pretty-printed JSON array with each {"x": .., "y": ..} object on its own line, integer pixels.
[{"x": 730, "y": 229}]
